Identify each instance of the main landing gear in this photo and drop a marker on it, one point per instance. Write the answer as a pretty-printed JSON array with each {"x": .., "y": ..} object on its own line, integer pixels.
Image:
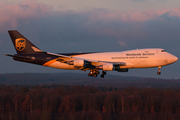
[
  {"x": 159, "y": 71},
  {"x": 102, "y": 74},
  {"x": 93, "y": 73}
]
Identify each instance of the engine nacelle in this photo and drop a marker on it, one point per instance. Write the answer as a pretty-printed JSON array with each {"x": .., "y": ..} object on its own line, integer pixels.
[
  {"x": 123, "y": 70},
  {"x": 117, "y": 68},
  {"x": 78, "y": 63},
  {"x": 108, "y": 67}
]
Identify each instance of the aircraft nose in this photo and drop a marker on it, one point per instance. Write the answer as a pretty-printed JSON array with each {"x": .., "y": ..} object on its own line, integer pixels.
[
  {"x": 172, "y": 58},
  {"x": 175, "y": 58}
]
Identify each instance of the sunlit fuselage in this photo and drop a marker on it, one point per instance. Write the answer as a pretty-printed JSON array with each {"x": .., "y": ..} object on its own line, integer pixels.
[{"x": 140, "y": 58}]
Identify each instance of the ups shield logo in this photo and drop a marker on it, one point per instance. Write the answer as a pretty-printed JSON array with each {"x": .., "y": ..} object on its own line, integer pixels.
[{"x": 20, "y": 44}]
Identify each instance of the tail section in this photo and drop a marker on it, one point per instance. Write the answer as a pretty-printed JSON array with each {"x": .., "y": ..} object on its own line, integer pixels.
[{"x": 21, "y": 44}]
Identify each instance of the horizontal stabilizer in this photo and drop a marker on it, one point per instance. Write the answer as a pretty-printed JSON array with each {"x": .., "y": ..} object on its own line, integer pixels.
[{"x": 21, "y": 57}]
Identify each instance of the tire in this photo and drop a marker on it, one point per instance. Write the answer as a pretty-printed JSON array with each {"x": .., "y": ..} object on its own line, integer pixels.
[
  {"x": 158, "y": 73},
  {"x": 102, "y": 76},
  {"x": 95, "y": 75}
]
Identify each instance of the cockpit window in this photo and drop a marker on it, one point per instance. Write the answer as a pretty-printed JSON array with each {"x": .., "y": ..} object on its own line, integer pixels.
[{"x": 163, "y": 50}]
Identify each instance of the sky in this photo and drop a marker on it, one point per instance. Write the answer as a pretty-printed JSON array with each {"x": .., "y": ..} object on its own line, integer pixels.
[{"x": 91, "y": 26}]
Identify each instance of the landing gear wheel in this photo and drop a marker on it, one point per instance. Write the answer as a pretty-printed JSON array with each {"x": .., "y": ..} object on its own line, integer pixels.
[
  {"x": 158, "y": 73},
  {"x": 104, "y": 73},
  {"x": 102, "y": 76},
  {"x": 95, "y": 75}
]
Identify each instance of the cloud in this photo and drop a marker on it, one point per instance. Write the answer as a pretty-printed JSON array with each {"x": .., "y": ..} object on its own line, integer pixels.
[
  {"x": 137, "y": 0},
  {"x": 29, "y": 10},
  {"x": 132, "y": 16},
  {"x": 122, "y": 43},
  {"x": 10, "y": 14},
  {"x": 99, "y": 26}
]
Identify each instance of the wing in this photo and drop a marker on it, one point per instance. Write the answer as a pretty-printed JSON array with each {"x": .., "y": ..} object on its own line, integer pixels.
[{"x": 86, "y": 64}]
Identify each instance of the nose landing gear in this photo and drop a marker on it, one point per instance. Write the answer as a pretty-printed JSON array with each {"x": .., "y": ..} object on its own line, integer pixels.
[{"x": 159, "y": 70}]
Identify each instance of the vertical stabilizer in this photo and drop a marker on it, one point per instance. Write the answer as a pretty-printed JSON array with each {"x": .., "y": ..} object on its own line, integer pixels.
[{"x": 21, "y": 44}]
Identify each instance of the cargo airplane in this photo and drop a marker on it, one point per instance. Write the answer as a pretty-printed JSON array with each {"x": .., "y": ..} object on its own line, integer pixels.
[{"x": 94, "y": 62}]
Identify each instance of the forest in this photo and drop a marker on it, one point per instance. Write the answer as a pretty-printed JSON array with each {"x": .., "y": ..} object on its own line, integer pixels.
[
  {"x": 142, "y": 101},
  {"x": 65, "y": 102},
  {"x": 83, "y": 79}
]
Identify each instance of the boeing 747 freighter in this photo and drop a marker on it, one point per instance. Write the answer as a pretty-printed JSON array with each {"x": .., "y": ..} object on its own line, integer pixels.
[{"x": 94, "y": 62}]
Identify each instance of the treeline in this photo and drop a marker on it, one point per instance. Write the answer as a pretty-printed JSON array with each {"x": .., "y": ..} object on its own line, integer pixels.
[
  {"x": 83, "y": 79},
  {"x": 65, "y": 102}
]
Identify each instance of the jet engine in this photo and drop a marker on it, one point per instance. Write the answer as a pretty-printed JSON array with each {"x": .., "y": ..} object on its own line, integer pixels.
[
  {"x": 117, "y": 68},
  {"x": 107, "y": 67},
  {"x": 78, "y": 63},
  {"x": 111, "y": 67}
]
